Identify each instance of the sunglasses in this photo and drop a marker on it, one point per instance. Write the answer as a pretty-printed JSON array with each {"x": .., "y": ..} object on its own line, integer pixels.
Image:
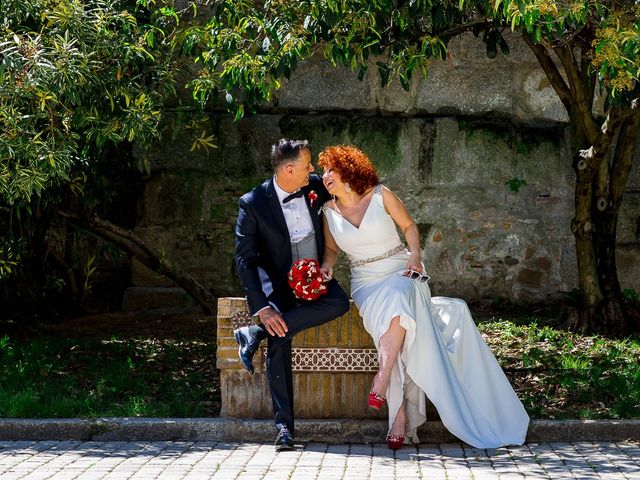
[{"x": 414, "y": 275}]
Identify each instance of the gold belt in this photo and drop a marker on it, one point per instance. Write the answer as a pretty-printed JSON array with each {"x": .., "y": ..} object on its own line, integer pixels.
[{"x": 388, "y": 254}]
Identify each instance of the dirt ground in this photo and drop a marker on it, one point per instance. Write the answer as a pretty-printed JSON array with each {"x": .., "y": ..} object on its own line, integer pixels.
[
  {"x": 192, "y": 325},
  {"x": 123, "y": 324}
]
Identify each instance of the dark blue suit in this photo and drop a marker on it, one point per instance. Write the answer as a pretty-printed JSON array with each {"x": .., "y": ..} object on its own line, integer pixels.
[{"x": 263, "y": 259}]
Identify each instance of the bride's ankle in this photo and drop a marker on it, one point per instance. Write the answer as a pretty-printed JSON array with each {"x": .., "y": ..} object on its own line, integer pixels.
[
  {"x": 399, "y": 426},
  {"x": 380, "y": 383}
]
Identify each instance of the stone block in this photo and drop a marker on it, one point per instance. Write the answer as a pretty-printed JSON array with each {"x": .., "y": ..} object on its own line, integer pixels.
[
  {"x": 378, "y": 137},
  {"x": 629, "y": 219},
  {"x": 142, "y": 275},
  {"x": 245, "y": 148},
  {"x": 633, "y": 182},
  {"x": 204, "y": 250},
  {"x": 393, "y": 98},
  {"x": 628, "y": 263},
  {"x": 137, "y": 299},
  {"x": 453, "y": 88},
  {"x": 534, "y": 99},
  {"x": 483, "y": 153},
  {"x": 467, "y": 82},
  {"x": 317, "y": 85}
]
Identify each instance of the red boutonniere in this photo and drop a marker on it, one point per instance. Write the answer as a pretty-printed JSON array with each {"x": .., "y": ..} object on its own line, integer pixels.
[{"x": 313, "y": 196}]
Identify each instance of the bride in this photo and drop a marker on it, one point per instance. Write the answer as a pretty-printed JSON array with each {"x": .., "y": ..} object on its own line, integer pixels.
[{"x": 426, "y": 346}]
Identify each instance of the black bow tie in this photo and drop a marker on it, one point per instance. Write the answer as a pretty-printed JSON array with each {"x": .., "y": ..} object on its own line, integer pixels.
[{"x": 297, "y": 194}]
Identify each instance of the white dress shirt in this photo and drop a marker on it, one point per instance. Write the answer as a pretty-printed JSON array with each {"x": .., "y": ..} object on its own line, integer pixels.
[
  {"x": 296, "y": 214},
  {"x": 299, "y": 224}
]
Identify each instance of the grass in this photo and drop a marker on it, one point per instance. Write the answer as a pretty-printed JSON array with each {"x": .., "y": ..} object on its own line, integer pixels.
[
  {"x": 54, "y": 376},
  {"x": 143, "y": 366},
  {"x": 562, "y": 375}
]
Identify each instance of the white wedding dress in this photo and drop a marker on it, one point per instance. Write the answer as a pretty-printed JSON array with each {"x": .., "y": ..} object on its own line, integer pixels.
[{"x": 443, "y": 355}]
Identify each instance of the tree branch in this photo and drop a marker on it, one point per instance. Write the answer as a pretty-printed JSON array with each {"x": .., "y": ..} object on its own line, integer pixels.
[
  {"x": 553, "y": 74},
  {"x": 591, "y": 157},
  {"x": 579, "y": 93},
  {"x": 601, "y": 185},
  {"x": 65, "y": 269},
  {"x": 134, "y": 245},
  {"x": 589, "y": 76},
  {"x": 623, "y": 158},
  {"x": 465, "y": 27}
]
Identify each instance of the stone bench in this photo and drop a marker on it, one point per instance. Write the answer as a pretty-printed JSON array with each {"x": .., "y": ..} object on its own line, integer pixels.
[{"x": 333, "y": 364}]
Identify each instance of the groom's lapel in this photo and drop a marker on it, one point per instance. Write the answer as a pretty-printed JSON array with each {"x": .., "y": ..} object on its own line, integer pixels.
[{"x": 276, "y": 209}]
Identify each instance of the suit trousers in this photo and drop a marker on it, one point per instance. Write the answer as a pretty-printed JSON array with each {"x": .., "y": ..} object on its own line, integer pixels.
[{"x": 305, "y": 314}]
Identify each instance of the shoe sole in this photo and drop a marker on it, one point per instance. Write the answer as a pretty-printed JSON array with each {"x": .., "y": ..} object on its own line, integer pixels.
[
  {"x": 284, "y": 448},
  {"x": 237, "y": 336}
]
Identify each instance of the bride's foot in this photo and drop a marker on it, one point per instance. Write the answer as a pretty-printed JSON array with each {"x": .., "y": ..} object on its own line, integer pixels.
[
  {"x": 395, "y": 438},
  {"x": 376, "y": 397},
  {"x": 376, "y": 401}
]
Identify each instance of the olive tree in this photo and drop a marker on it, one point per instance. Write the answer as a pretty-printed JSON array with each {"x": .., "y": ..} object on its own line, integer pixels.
[
  {"x": 80, "y": 82},
  {"x": 247, "y": 47}
]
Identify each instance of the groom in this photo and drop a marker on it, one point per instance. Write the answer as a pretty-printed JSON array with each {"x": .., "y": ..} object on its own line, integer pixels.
[{"x": 280, "y": 222}]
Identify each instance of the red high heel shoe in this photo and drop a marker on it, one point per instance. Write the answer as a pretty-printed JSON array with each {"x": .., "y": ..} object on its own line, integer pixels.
[
  {"x": 395, "y": 442},
  {"x": 376, "y": 400}
]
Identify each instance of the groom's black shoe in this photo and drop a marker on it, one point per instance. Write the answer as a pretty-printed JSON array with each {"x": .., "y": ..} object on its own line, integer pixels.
[
  {"x": 284, "y": 440},
  {"x": 248, "y": 346}
]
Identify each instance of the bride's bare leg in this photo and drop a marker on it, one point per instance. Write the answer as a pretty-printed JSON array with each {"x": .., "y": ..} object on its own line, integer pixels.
[
  {"x": 390, "y": 346},
  {"x": 399, "y": 423}
]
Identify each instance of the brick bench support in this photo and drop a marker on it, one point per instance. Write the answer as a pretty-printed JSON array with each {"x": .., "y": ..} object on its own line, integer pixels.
[{"x": 334, "y": 365}]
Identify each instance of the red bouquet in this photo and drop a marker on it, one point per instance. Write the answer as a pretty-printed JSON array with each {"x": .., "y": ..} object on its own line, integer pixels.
[{"x": 306, "y": 280}]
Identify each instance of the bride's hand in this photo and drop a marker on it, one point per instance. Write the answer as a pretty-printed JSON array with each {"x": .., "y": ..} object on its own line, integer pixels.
[
  {"x": 327, "y": 273},
  {"x": 414, "y": 263}
]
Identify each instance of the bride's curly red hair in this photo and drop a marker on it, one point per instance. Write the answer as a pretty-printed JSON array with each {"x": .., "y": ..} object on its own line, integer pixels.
[{"x": 353, "y": 166}]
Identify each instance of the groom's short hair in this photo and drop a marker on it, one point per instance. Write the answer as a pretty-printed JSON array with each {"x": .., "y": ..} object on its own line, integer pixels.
[{"x": 286, "y": 150}]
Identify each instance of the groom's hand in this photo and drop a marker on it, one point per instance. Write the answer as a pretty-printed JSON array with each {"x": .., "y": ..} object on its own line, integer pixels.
[{"x": 273, "y": 322}]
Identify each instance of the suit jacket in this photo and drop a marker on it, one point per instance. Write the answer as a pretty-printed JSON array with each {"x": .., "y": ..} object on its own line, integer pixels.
[{"x": 263, "y": 245}]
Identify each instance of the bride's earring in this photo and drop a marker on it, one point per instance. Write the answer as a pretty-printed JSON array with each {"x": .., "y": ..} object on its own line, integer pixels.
[{"x": 347, "y": 187}]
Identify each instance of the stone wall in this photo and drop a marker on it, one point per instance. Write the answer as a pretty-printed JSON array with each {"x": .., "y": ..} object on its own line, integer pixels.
[{"x": 447, "y": 147}]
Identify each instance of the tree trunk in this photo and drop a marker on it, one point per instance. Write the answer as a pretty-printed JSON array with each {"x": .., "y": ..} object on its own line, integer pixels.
[
  {"x": 618, "y": 317},
  {"x": 603, "y": 309},
  {"x": 599, "y": 187},
  {"x": 599, "y": 190},
  {"x": 135, "y": 246},
  {"x": 586, "y": 164},
  {"x": 582, "y": 228}
]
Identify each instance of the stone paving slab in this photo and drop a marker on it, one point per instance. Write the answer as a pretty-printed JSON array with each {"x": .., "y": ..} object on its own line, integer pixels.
[
  {"x": 328, "y": 431},
  {"x": 91, "y": 460}
]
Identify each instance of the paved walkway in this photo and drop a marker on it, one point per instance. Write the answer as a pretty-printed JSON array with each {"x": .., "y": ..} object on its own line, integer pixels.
[{"x": 67, "y": 460}]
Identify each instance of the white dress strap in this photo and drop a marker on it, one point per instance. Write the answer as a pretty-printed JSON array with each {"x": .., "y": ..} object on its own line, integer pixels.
[
  {"x": 378, "y": 189},
  {"x": 326, "y": 207}
]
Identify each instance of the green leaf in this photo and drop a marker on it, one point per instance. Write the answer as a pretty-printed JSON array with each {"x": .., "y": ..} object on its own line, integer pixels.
[
  {"x": 361, "y": 72},
  {"x": 515, "y": 184},
  {"x": 503, "y": 44},
  {"x": 383, "y": 71},
  {"x": 404, "y": 82},
  {"x": 537, "y": 34},
  {"x": 492, "y": 49}
]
